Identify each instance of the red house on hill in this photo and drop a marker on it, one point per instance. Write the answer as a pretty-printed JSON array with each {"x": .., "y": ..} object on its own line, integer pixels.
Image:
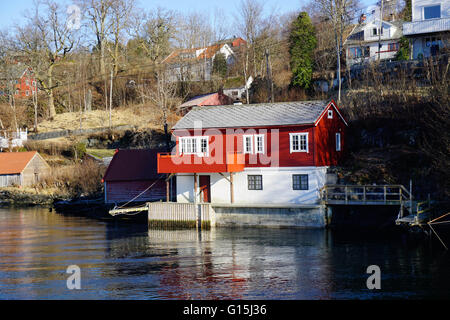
[
  {"x": 273, "y": 153},
  {"x": 132, "y": 176},
  {"x": 20, "y": 80}
]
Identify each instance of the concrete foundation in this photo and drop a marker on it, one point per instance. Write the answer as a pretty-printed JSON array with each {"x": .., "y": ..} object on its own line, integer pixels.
[{"x": 275, "y": 216}]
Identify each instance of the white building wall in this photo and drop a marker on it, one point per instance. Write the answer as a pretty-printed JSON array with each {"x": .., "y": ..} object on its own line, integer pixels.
[
  {"x": 417, "y": 8},
  {"x": 374, "y": 52},
  {"x": 277, "y": 186}
]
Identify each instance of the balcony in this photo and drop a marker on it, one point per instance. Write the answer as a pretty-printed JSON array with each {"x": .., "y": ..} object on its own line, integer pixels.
[
  {"x": 426, "y": 26},
  {"x": 169, "y": 163}
]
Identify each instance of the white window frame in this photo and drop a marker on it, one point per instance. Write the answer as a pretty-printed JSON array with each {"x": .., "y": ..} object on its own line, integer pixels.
[
  {"x": 298, "y": 134},
  {"x": 330, "y": 114},
  {"x": 430, "y": 6},
  {"x": 254, "y": 144},
  {"x": 185, "y": 141},
  {"x": 338, "y": 142},
  {"x": 257, "y": 151},
  {"x": 245, "y": 144}
]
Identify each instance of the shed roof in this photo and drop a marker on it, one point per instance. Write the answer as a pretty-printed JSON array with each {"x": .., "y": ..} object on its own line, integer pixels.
[
  {"x": 15, "y": 162},
  {"x": 133, "y": 165},
  {"x": 256, "y": 115}
]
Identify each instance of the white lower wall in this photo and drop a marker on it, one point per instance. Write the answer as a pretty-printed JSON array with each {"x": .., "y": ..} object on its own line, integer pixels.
[{"x": 277, "y": 186}]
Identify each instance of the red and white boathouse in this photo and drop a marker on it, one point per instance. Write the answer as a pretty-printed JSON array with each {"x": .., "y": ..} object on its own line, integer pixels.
[{"x": 273, "y": 153}]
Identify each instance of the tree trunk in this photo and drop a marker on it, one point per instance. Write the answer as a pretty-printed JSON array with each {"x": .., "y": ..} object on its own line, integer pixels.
[{"x": 51, "y": 99}]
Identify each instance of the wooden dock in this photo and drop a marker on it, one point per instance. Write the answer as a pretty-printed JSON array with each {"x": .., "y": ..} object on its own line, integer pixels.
[
  {"x": 385, "y": 195},
  {"x": 180, "y": 215}
]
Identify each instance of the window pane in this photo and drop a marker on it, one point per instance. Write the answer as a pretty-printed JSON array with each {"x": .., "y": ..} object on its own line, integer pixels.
[
  {"x": 204, "y": 145},
  {"x": 260, "y": 144},
  {"x": 248, "y": 148},
  {"x": 432, "y": 12},
  {"x": 300, "y": 182},
  {"x": 303, "y": 143},
  {"x": 295, "y": 144},
  {"x": 255, "y": 183},
  {"x": 338, "y": 142}
]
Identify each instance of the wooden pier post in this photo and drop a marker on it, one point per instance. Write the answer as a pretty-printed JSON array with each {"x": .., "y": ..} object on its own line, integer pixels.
[
  {"x": 195, "y": 188},
  {"x": 168, "y": 188},
  {"x": 231, "y": 188}
]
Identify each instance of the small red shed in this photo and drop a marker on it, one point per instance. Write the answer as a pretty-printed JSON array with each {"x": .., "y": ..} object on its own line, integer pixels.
[{"x": 132, "y": 177}]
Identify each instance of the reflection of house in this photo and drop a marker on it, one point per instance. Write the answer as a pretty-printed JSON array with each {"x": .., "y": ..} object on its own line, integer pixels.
[
  {"x": 275, "y": 153},
  {"x": 211, "y": 99},
  {"x": 21, "y": 168},
  {"x": 19, "y": 79},
  {"x": 196, "y": 64},
  {"x": 130, "y": 174},
  {"x": 430, "y": 27},
  {"x": 363, "y": 43}
]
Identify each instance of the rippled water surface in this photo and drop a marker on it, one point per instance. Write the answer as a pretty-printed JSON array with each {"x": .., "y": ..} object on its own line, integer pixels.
[{"x": 127, "y": 261}]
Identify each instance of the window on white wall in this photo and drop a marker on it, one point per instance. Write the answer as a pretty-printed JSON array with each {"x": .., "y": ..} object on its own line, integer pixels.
[
  {"x": 300, "y": 182},
  {"x": 299, "y": 142},
  {"x": 432, "y": 12}
]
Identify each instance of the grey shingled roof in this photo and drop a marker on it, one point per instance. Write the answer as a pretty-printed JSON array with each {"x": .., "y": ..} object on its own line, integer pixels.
[{"x": 242, "y": 116}]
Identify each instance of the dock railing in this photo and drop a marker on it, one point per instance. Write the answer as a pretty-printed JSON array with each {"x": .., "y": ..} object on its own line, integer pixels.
[{"x": 365, "y": 194}]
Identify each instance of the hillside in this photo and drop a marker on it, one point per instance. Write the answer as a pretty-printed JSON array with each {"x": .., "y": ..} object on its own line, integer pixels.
[{"x": 142, "y": 117}]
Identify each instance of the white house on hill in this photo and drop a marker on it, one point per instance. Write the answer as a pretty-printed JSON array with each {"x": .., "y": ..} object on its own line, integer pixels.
[
  {"x": 429, "y": 30},
  {"x": 363, "y": 43}
]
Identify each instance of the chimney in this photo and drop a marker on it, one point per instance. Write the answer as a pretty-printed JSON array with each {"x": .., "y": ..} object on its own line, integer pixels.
[{"x": 362, "y": 18}]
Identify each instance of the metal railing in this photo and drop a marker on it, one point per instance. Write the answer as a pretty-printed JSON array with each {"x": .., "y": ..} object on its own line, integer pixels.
[
  {"x": 426, "y": 26},
  {"x": 364, "y": 194}
]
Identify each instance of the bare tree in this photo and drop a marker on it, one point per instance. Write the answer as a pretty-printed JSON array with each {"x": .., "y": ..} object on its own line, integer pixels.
[
  {"x": 194, "y": 31},
  {"x": 121, "y": 18},
  {"x": 163, "y": 94},
  {"x": 340, "y": 13},
  {"x": 98, "y": 19},
  {"x": 46, "y": 40},
  {"x": 249, "y": 21},
  {"x": 154, "y": 32}
]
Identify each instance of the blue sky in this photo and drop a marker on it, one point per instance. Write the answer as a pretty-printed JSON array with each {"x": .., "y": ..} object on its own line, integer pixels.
[{"x": 11, "y": 11}]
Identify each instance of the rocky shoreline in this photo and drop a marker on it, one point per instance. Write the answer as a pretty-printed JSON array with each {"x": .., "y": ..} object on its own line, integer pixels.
[{"x": 20, "y": 198}]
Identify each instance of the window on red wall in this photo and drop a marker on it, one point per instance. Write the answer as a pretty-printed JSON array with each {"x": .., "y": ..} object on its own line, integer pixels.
[{"x": 338, "y": 142}]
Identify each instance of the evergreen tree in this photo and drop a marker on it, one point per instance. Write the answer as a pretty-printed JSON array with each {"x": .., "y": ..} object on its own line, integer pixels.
[
  {"x": 220, "y": 66},
  {"x": 302, "y": 42},
  {"x": 404, "y": 51}
]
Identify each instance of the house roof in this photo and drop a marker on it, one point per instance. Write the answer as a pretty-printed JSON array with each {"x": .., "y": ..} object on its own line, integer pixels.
[
  {"x": 205, "y": 100},
  {"x": 133, "y": 165},
  {"x": 15, "y": 162},
  {"x": 256, "y": 115},
  {"x": 196, "y": 101},
  {"x": 196, "y": 53},
  {"x": 363, "y": 26}
]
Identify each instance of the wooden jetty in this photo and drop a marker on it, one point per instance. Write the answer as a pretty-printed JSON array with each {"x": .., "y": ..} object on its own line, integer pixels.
[
  {"x": 206, "y": 215},
  {"x": 173, "y": 215},
  {"x": 411, "y": 212}
]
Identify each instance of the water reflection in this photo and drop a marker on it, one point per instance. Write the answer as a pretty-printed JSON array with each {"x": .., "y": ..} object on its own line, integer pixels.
[{"x": 128, "y": 261}]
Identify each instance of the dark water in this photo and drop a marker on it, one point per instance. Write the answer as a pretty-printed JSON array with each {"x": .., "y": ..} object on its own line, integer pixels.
[{"x": 126, "y": 261}]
